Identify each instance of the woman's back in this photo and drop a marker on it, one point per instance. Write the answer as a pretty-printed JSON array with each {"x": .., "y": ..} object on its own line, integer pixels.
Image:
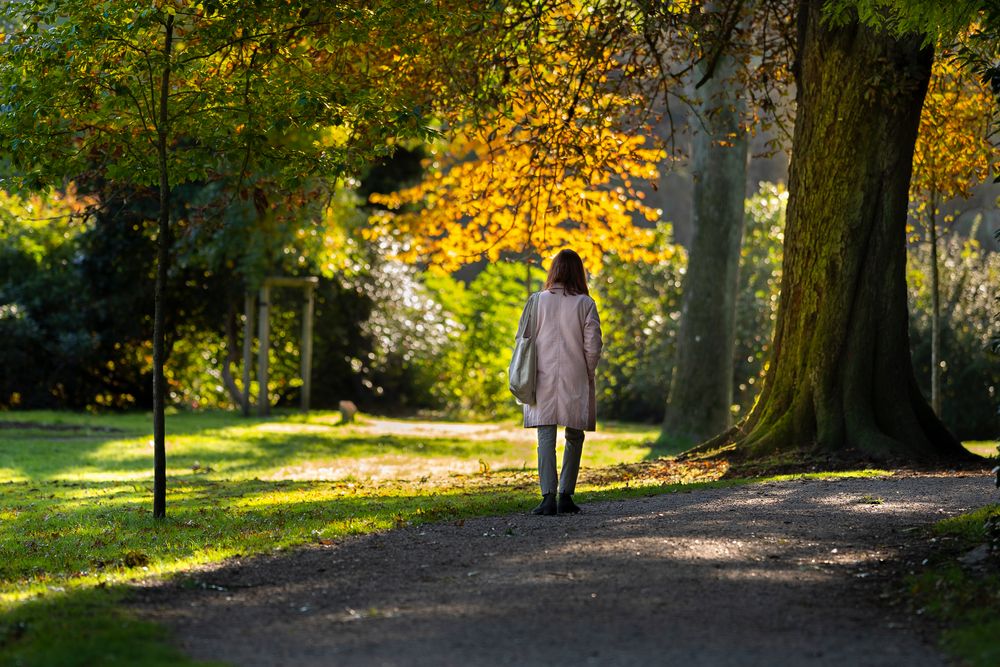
[{"x": 568, "y": 345}]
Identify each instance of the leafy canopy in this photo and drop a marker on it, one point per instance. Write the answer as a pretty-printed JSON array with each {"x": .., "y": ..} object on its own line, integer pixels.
[
  {"x": 938, "y": 20},
  {"x": 253, "y": 84},
  {"x": 953, "y": 150},
  {"x": 554, "y": 165}
]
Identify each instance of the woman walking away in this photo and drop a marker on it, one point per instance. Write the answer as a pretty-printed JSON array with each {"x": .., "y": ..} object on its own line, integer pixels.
[{"x": 568, "y": 345}]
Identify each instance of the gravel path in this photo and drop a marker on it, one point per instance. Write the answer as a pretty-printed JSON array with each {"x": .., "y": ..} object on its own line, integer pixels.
[{"x": 773, "y": 574}]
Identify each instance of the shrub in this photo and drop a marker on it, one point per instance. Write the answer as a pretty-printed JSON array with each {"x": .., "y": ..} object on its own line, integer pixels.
[
  {"x": 640, "y": 312},
  {"x": 471, "y": 375},
  {"x": 640, "y": 307},
  {"x": 970, "y": 374}
]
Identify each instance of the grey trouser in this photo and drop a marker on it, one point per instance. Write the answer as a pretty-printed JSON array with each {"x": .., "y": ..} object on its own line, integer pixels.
[{"x": 547, "y": 459}]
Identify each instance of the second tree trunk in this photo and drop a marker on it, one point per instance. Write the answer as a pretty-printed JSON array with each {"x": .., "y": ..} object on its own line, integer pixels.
[{"x": 701, "y": 391}]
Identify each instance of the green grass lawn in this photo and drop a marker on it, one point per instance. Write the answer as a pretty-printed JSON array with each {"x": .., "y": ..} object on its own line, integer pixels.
[
  {"x": 75, "y": 504},
  {"x": 76, "y": 522}
]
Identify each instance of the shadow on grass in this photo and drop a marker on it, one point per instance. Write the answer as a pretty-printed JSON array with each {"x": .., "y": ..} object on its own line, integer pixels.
[
  {"x": 665, "y": 445},
  {"x": 223, "y": 442},
  {"x": 44, "y": 444},
  {"x": 84, "y": 627},
  {"x": 227, "y": 445}
]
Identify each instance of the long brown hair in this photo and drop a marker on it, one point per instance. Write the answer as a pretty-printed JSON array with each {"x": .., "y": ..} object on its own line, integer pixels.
[{"x": 567, "y": 270}]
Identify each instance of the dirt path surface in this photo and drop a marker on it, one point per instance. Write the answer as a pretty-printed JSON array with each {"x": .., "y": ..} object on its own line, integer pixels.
[{"x": 775, "y": 574}]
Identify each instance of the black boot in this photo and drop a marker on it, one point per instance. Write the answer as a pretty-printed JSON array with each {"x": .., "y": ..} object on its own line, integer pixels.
[
  {"x": 566, "y": 504},
  {"x": 547, "y": 506}
]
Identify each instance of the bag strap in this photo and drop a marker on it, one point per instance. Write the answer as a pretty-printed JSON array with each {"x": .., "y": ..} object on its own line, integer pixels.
[{"x": 530, "y": 325}]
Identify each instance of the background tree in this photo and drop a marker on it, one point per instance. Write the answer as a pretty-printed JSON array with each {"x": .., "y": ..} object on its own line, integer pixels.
[
  {"x": 171, "y": 92},
  {"x": 952, "y": 154},
  {"x": 553, "y": 164},
  {"x": 701, "y": 389},
  {"x": 735, "y": 55}
]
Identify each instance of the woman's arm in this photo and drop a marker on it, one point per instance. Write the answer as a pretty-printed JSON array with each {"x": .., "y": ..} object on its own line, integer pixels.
[
  {"x": 593, "y": 342},
  {"x": 523, "y": 322}
]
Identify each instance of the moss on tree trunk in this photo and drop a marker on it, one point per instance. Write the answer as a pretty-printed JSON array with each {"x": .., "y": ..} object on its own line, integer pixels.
[{"x": 840, "y": 376}]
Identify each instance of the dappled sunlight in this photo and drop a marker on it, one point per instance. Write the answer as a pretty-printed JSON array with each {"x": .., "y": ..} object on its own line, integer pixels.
[
  {"x": 774, "y": 575},
  {"x": 294, "y": 447},
  {"x": 282, "y": 427},
  {"x": 97, "y": 475},
  {"x": 872, "y": 505},
  {"x": 472, "y": 431},
  {"x": 11, "y": 475},
  {"x": 509, "y": 431},
  {"x": 382, "y": 468}
]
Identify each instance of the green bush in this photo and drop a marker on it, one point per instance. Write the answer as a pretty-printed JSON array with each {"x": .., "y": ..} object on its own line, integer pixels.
[
  {"x": 49, "y": 356},
  {"x": 640, "y": 308},
  {"x": 970, "y": 373},
  {"x": 759, "y": 287},
  {"x": 407, "y": 333},
  {"x": 640, "y": 311},
  {"x": 470, "y": 376},
  {"x": 76, "y": 307}
]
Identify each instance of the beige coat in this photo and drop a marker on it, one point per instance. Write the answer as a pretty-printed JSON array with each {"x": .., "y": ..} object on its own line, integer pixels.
[{"x": 568, "y": 345}]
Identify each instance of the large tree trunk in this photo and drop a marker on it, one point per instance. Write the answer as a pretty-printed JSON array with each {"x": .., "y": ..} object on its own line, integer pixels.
[
  {"x": 841, "y": 377},
  {"x": 701, "y": 390}
]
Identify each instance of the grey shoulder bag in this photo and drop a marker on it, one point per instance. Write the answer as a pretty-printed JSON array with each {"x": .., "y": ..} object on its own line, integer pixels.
[{"x": 523, "y": 364}]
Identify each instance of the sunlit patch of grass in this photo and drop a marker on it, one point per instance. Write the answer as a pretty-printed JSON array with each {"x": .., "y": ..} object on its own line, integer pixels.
[
  {"x": 83, "y": 628},
  {"x": 986, "y": 448}
]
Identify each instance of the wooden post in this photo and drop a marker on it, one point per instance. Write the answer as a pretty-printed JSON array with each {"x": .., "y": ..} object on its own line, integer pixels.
[
  {"x": 307, "y": 344},
  {"x": 249, "y": 306},
  {"x": 264, "y": 345}
]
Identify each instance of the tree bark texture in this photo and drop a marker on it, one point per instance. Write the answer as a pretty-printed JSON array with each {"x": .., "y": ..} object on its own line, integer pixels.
[
  {"x": 701, "y": 389},
  {"x": 841, "y": 376},
  {"x": 162, "y": 257}
]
